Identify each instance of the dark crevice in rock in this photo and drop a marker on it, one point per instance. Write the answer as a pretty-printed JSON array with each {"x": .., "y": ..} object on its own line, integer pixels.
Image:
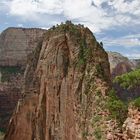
[{"x": 66, "y": 55}]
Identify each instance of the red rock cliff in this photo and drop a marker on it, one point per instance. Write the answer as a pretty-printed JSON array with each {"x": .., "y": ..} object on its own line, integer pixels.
[
  {"x": 15, "y": 45},
  {"x": 65, "y": 88}
]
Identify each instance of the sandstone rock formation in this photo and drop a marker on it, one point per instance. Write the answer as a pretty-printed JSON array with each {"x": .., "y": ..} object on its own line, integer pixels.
[
  {"x": 9, "y": 96},
  {"x": 65, "y": 89},
  {"x": 15, "y": 45},
  {"x": 115, "y": 58},
  {"x": 132, "y": 125},
  {"x": 122, "y": 68},
  {"x": 120, "y": 64}
]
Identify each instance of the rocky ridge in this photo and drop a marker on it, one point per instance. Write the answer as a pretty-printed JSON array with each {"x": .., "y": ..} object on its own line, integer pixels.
[{"x": 65, "y": 79}]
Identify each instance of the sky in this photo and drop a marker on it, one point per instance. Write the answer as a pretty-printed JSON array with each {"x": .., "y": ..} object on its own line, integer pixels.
[{"x": 114, "y": 22}]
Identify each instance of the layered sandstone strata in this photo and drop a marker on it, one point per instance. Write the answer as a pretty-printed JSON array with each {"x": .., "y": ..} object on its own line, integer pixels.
[{"x": 16, "y": 44}]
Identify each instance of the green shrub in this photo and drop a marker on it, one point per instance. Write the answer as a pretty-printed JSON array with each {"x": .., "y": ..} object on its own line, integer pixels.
[
  {"x": 7, "y": 71},
  {"x": 84, "y": 52},
  {"x": 84, "y": 134},
  {"x": 2, "y": 130},
  {"x": 98, "y": 133},
  {"x": 96, "y": 118},
  {"x": 100, "y": 71},
  {"x": 128, "y": 80},
  {"x": 118, "y": 109},
  {"x": 136, "y": 102}
]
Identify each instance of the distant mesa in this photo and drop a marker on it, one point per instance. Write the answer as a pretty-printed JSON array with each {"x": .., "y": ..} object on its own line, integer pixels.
[{"x": 17, "y": 43}]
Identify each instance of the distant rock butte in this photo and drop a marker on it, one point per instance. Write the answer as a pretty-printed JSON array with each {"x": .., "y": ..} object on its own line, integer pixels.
[
  {"x": 121, "y": 68},
  {"x": 16, "y": 44},
  {"x": 120, "y": 65}
]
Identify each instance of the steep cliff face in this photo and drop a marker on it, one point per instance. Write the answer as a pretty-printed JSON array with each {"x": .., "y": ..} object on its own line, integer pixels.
[
  {"x": 16, "y": 44},
  {"x": 7, "y": 104},
  {"x": 65, "y": 89}
]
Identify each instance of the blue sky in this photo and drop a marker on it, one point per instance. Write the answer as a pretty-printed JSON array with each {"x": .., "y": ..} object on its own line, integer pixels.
[{"x": 114, "y": 22}]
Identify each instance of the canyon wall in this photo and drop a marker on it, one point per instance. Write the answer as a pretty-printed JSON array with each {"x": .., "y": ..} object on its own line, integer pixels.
[
  {"x": 65, "y": 89},
  {"x": 15, "y": 45}
]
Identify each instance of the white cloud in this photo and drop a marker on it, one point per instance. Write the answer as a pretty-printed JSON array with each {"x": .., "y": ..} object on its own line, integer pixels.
[
  {"x": 126, "y": 6},
  {"x": 129, "y": 41},
  {"x": 45, "y": 28},
  {"x": 33, "y": 7},
  {"x": 133, "y": 55},
  {"x": 103, "y": 17},
  {"x": 19, "y": 25},
  {"x": 22, "y": 8},
  {"x": 83, "y": 10},
  {"x": 89, "y": 12}
]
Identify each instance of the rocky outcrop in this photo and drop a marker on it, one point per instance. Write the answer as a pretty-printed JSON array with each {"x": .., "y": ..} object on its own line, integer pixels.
[
  {"x": 65, "y": 89},
  {"x": 16, "y": 44},
  {"x": 122, "y": 68},
  {"x": 132, "y": 125},
  {"x": 116, "y": 58},
  {"x": 120, "y": 64}
]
